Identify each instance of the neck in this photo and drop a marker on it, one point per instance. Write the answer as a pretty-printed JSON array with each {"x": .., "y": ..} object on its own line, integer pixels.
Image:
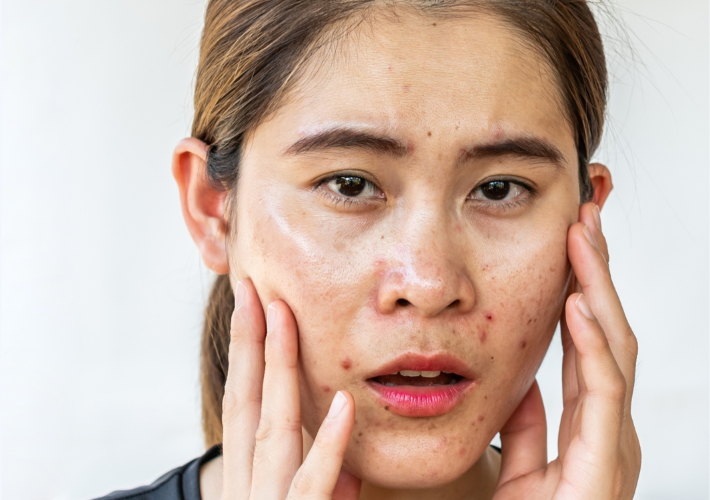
[{"x": 478, "y": 483}]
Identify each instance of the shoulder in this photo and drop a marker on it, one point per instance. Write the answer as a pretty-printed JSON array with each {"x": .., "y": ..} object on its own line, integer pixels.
[{"x": 181, "y": 483}]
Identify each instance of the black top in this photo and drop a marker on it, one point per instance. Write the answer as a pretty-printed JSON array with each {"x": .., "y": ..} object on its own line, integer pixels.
[{"x": 182, "y": 483}]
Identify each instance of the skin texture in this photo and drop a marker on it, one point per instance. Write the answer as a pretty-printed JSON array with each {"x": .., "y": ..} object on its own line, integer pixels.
[{"x": 422, "y": 264}]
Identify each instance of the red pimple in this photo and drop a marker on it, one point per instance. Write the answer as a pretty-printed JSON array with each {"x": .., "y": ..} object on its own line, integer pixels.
[
  {"x": 346, "y": 364},
  {"x": 482, "y": 335},
  {"x": 480, "y": 418},
  {"x": 489, "y": 316},
  {"x": 523, "y": 344},
  {"x": 326, "y": 388},
  {"x": 462, "y": 451}
]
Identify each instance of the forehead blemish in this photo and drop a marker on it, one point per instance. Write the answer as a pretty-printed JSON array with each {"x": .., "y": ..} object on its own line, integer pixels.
[{"x": 346, "y": 363}]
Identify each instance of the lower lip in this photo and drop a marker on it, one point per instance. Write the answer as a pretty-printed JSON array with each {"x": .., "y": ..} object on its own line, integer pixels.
[{"x": 426, "y": 401}]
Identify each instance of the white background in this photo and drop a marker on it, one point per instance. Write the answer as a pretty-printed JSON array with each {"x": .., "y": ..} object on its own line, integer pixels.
[{"x": 101, "y": 288}]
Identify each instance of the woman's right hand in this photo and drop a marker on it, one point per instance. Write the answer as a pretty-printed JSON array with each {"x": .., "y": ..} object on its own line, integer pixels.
[{"x": 261, "y": 414}]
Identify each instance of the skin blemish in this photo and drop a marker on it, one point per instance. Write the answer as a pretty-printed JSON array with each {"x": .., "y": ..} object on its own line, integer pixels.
[
  {"x": 462, "y": 451},
  {"x": 523, "y": 344},
  {"x": 480, "y": 418},
  {"x": 489, "y": 316},
  {"x": 326, "y": 388},
  {"x": 346, "y": 364},
  {"x": 428, "y": 134},
  {"x": 529, "y": 321},
  {"x": 482, "y": 335},
  {"x": 359, "y": 434},
  {"x": 406, "y": 87},
  {"x": 387, "y": 408},
  {"x": 433, "y": 24}
]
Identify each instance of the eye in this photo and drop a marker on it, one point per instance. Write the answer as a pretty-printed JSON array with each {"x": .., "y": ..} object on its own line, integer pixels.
[
  {"x": 499, "y": 190},
  {"x": 351, "y": 186}
]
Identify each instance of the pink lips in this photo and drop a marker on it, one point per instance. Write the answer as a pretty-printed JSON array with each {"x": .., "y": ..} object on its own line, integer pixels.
[{"x": 423, "y": 401}]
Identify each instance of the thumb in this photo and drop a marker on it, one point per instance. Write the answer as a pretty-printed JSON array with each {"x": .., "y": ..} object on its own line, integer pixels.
[
  {"x": 524, "y": 438},
  {"x": 347, "y": 487}
]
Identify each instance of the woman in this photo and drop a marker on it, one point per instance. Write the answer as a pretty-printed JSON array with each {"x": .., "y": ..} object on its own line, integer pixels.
[{"x": 398, "y": 200}]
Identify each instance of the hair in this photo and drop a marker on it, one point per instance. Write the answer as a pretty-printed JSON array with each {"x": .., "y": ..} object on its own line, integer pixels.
[{"x": 252, "y": 51}]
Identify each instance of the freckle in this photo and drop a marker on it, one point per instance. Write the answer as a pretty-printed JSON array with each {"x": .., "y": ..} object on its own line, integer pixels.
[
  {"x": 433, "y": 24},
  {"x": 428, "y": 134},
  {"x": 326, "y": 388},
  {"x": 485, "y": 397},
  {"x": 480, "y": 418},
  {"x": 359, "y": 434},
  {"x": 491, "y": 358},
  {"x": 346, "y": 363},
  {"x": 387, "y": 408},
  {"x": 457, "y": 127},
  {"x": 523, "y": 344},
  {"x": 529, "y": 321}
]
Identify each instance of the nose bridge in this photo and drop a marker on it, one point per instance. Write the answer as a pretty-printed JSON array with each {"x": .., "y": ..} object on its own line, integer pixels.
[{"x": 427, "y": 271}]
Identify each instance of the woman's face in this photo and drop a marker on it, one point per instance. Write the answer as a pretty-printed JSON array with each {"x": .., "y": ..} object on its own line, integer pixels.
[{"x": 410, "y": 202}]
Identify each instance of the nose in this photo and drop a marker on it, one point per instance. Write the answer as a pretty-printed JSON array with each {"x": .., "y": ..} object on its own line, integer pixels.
[{"x": 427, "y": 271}]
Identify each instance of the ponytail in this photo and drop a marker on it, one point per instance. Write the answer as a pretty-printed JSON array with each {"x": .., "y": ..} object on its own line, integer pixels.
[{"x": 214, "y": 357}]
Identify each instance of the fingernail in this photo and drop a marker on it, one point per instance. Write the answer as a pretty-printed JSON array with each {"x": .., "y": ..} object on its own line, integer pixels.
[
  {"x": 239, "y": 295},
  {"x": 583, "y": 307},
  {"x": 271, "y": 317},
  {"x": 590, "y": 237},
  {"x": 597, "y": 217},
  {"x": 337, "y": 405}
]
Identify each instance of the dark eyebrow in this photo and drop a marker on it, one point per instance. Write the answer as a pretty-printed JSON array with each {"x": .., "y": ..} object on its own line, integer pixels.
[
  {"x": 347, "y": 138},
  {"x": 523, "y": 147}
]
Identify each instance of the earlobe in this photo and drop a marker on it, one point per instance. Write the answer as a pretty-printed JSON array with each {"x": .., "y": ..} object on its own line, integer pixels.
[
  {"x": 601, "y": 183},
  {"x": 202, "y": 205}
]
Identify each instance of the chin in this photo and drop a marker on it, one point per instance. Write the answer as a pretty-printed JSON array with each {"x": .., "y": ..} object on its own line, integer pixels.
[{"x": 399, "y": 460}]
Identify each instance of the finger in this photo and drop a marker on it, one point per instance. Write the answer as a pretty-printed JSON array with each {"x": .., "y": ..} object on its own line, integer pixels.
[
  {"x": 241, "y": 406},
  {"x": 570, "y": 386},
  {"x": 319, "y": 474},
  {"x": 592, "y": 273},
  {"x": 347, "y": 487},
  {"x": 279, "y": 448},
  {"x": 604, "y": 387},
  {"x": 524, "y": 438},
  {"x": 590, "y": 215}
]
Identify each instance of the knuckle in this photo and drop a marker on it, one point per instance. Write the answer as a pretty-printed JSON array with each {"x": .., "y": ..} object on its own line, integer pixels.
[
  {"x": 271, "y": 430},
  {"x": 302, "y": 484},
  {"x": 617, "y": 388}
]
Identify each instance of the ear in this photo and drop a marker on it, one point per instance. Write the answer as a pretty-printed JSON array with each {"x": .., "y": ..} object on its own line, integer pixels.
[
  {"x": 202, "y": 205},
  {"x": 601, "y": 183}
]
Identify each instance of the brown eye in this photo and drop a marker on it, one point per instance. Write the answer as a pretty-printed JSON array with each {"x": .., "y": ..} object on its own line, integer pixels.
[
  {"x": 352, "y": 186},
  {"x": 496, "y": 190},
  {"x": 499, "y": 190}
]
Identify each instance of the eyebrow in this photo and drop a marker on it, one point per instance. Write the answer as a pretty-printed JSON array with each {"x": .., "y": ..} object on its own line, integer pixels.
[
  {"x": 522, "y": 147},
  {"x": 529, "y": 147},
  {"x": 347, "y": 138}
]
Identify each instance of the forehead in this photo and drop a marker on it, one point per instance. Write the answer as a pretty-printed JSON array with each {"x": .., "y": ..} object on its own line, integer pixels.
[{"x": 407, "y": 71}]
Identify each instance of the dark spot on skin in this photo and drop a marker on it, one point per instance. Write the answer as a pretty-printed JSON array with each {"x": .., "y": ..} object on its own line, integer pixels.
[
  {"x": 529, "y": 321},
  {"x": 523, "y": 344},
  {"x": 480, "y": 418},
  {"x": 491, "y": 358},
  {"x": 433, "y": 24},
  {"x": 428, "y": 134},
  {"x": 485, "y": 397},
  {"x": 357, "y": 441},
  {"x": 346, "y": 364},
  {"x": 387, "y": 408},
  {"x": 489, "y": 316},
  {"x": 326, "y": 388},
  {"x": 359, "y": 434}
]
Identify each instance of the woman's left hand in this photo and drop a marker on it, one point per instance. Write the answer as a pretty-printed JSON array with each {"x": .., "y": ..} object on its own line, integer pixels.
[{"x": 599, "y": 453}]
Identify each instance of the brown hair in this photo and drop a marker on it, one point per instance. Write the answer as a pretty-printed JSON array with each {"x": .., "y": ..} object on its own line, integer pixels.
[{"x": 252, "y": 50}]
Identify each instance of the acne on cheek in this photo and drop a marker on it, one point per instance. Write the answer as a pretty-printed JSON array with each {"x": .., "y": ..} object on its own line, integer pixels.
[{"x": 346, "y": 364}]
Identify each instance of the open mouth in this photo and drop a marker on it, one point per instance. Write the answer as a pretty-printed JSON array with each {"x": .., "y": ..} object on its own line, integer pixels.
[{"x": 418, "y": 378}]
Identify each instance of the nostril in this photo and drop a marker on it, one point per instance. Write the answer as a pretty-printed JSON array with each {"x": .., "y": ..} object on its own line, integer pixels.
[
  {"x": 454, "y": 304},
  {"x": 402, "y": 302}
]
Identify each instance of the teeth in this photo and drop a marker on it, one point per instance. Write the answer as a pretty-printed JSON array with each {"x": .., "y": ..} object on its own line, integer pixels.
[{"x": 414, "y": 373}]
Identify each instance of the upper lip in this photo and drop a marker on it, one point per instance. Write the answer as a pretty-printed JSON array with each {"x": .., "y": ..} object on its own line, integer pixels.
[{"x": 440, "y": 361}]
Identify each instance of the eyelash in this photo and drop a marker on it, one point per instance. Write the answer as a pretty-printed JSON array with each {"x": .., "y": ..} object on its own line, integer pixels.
[{"x": 335, "y": 199}]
